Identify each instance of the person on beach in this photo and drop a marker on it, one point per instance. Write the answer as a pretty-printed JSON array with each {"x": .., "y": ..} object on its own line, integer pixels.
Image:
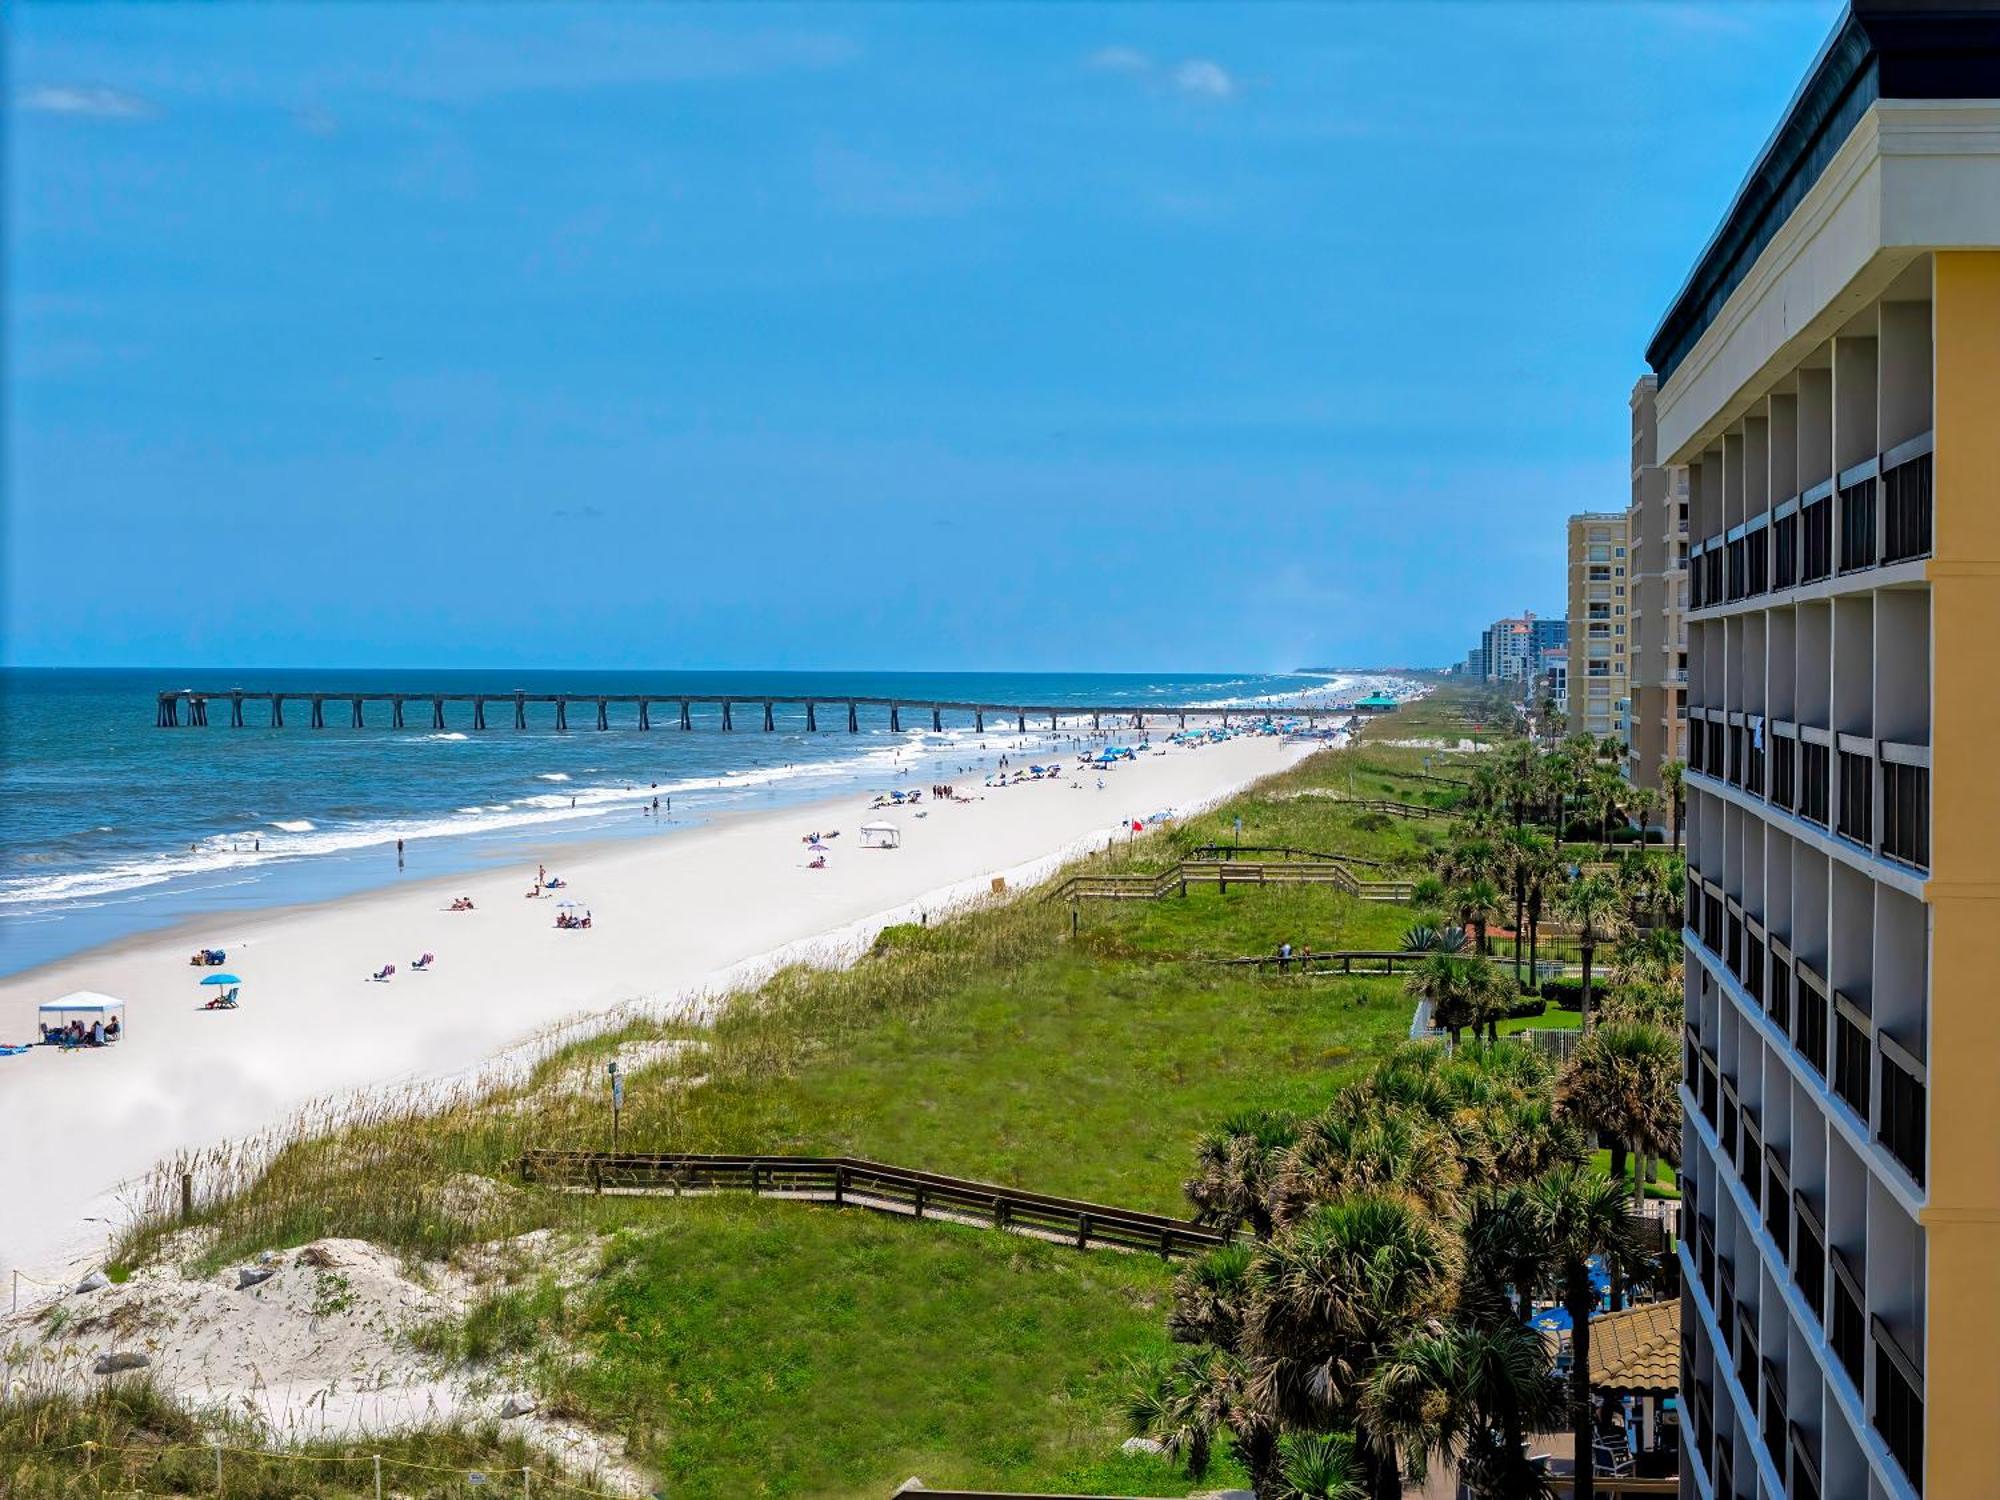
[{"x": 399, "y": 854}]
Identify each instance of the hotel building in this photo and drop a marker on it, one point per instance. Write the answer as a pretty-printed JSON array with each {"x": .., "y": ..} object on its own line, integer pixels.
[
  {"x": 1829, "y": 376},
  {"x": 1656, "y": 539},
  {"x": 1597, "y": 601}
]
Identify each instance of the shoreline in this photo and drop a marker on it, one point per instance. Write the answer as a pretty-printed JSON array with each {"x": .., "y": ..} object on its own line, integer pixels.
[{"x": 677, "y": 920}]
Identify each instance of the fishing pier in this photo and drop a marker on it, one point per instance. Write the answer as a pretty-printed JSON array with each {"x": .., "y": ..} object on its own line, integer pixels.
[{"x": 195, "y": 708}]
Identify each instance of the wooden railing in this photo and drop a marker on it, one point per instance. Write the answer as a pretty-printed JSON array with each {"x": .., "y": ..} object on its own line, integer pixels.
[
  {"x": 1281, "y": 851},
  {"x": 1393, "y": 808},
  {"x": 1175, "y": 880},
  {"x": 845, "y": 1180}
]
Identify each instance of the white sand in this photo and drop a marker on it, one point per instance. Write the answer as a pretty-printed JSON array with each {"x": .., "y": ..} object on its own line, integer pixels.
[{"x": 671, "y": 918}]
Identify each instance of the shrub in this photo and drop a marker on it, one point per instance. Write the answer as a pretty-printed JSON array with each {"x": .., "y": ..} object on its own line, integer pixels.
[{"x": 1527, "y": 1006}]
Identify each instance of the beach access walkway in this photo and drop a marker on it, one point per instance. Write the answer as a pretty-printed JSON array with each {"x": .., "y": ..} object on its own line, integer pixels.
[{"x": 846, "y": 1181}]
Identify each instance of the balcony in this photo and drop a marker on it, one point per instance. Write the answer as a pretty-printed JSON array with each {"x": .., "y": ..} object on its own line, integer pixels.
[
  {"x": 1857, "y": 526},
  {"x": 1904, "y": 1089},
  {"x": 1777, "y": 1200},
  {"x": 1814, "y": 765},
  {"x": 1906, "y": 811},
  {"x": 1784, "y": 751},
  {"x": 1906, "y": 510},
  {"x": 1853, "y": 1054},
  {"x": 1805, "y": 1483},
  {"x": 1856, "y": 822},
  {"x": 1816, "y": 540},
  {"x": 1848, "y": 1329},
  {"x": 1778, "y": 1003},
  {"x": 1899, "y": 1404},
  {"x": 1809, "y": 1030},
  {"x": 1774, "y": 1414},
  {"x": 1785, "y": 551},
  {"x": 1809, "y": 1256}
]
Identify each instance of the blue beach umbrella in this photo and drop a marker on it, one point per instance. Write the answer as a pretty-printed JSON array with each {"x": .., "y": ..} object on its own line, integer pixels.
[
  {"x": 1555, "y": 1319},
  {"x": 221, "y": 979}
]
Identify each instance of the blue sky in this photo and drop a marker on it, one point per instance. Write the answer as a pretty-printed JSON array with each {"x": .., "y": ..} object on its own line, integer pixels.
[{"x": 912, "y": 336}]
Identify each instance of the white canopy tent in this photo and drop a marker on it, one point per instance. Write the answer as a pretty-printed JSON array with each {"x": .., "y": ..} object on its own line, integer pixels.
[
  {"x": 881, "y": 836},
  {"x": 87, "y": 1006}
]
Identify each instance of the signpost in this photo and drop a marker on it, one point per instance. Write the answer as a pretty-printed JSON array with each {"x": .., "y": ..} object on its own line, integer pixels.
[{"x": 617, "y": 1100}]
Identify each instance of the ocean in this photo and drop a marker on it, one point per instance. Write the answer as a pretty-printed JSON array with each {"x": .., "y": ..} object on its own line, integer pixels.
[{"x": 110, "y": 826}]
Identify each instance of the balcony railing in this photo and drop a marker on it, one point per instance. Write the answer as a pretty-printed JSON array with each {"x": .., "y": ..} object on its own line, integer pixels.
[
  {"x": 1805, "y": 1483},
  {"x": 1857, "y": 526},
  {"x": 1738, "y": 568},
  {"x": 1778, "y": 1004},
  {"x": 1899, "y": 1404},
  {"x": 1809, "y": 1018},
  {"x": 1853, "y": 1054},
  {"x": 1816, "y": 540},
  {"x": 1906, "y": 813},
  {"x": 1847, "y": 1328},
  {"x": 1906, "y": 510},
  {"x": 1784, "y": 771},
  {"x": 1814, "y": 787},
  {"x": 1904, "y": 1101},
  {"x": 1774, "y": 1415},
  {"x": 1777, "y": 1200},
  {"x": 1857, "y": 798},
  {"x": 1757, "y": 556},
  {"x": 1809, "y": 1256},
  {"x": 1785, "y": 551}
]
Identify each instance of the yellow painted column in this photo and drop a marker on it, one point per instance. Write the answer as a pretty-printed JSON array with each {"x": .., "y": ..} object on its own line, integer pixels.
[{"x": 1962, "y": 1220}]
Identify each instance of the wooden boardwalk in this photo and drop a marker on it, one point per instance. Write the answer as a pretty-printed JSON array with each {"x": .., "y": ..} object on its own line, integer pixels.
[
  {"x": 1223, "y": 874},
  {"x": 846, "y": 1181}
]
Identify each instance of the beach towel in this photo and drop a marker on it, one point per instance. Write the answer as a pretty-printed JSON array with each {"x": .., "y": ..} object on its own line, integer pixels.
[{"x": 12, "y": 1051}]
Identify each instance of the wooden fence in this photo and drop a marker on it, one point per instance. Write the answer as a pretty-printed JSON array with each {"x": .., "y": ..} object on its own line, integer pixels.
[
  {"x": 1175, "y": 880},
  {"x": 844, "y": 1181},
  {"x": 1395, "y": 809}
]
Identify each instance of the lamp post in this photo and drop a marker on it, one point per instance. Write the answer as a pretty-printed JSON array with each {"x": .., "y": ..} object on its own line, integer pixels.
[{"x": 617, "y": 1100}]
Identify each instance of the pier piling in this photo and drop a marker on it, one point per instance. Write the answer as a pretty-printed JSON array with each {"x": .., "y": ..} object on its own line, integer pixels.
[
  {"x": 895, "y": 718},
  {"x": 726, "y": 724},
  {"x": 562, "y": 711},
  {"x": 769, "y": 723},
  {"x": 853, "y": 723},
  {"x": 687, "y": 719},
  {"x": 812, "y": 718},
  {"x": 603, "y": 713},
  {"x": 478, "y": 713}
]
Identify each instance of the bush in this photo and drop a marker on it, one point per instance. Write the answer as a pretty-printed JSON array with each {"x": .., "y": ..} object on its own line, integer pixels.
[
  {"x": 1526, "y": 1007},
  {"x": 1567, "y": 993}
]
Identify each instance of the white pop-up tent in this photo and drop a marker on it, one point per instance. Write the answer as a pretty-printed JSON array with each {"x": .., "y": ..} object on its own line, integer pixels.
[
  {"x": 87, "y": 1006},
  {"x": 881, "y": 836}
]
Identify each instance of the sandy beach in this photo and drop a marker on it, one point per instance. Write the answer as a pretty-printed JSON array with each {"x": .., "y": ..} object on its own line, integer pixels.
[{"x": 672, "y": 919}]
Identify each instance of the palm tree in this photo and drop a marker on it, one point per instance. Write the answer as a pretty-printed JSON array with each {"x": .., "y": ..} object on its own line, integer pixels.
[
  {"x": 1198, "y": 1398},
  {"x": 1577, "y": 1214},
  {"x": 1539, "y": 875},
  {"x": 1607, "y": 789},
  {"x": 1592, "y": 905},
  {"x": 1624, "y": 1081},
  {"x": 1671, "y": 775},
  {"x": 1345, "y": 1288},
  {"x": 1647, "y": 802},
  {"x": 1318, "y": 1466},
  {"x": 1523, "y": 848},
  {"x": 1469, "y": 1391},
  {"x": 1358, "y": 1146},
  {"x": 1235, "y": 1164},
  {"x": 1477, "y": 899}
]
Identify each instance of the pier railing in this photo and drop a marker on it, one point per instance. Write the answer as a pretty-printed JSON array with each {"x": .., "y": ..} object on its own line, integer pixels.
[
  {"x": 1223, "y": 874},
  {"x": 851, "y": 1181},
  {"x": 190, "y": 707}
]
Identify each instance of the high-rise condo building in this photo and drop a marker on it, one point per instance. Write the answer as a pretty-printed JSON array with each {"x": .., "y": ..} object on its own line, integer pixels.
[
  {"x": 1597, "y": 601},
  {"x": 1656, "y": 539},
  {"x": 1829, "y": 376}
]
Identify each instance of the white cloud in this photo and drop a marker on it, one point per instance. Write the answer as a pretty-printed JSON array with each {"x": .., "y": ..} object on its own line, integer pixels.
[
  {"x": 1121, "y": 60},
  {"x": 1195, "y": 77},
  {"x": 1205, "y": 79},
  {"x": 92, "y": 102}
]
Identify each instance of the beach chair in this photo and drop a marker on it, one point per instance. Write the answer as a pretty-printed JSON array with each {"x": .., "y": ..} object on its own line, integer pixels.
[
  {"x": 425, "y": 962},
  {"x": 224, "y": 1001},
  {"x": 385, "y": 973}
]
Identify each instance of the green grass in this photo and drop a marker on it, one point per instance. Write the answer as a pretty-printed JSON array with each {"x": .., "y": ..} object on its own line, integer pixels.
[
  {"x": 1555, "y": 1018},
  {"x": 770, "y": 1348},
  {"x": 1666, "y": 1181},
  {"x": 776, "y": 1348}
]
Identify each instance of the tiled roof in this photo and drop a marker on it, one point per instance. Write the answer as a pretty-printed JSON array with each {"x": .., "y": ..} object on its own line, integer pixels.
[{"x": 1638, "y": 1349}]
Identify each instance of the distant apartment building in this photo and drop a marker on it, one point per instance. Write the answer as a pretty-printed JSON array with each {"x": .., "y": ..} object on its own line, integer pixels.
[
  {"x": 1552, "y": 678},
  {"x": 1829, "y": 376},
  {"x": 1597, "y": 605},
  {"x": 1510, "y": 650},
  {"x": 1656, "y": 529}
]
